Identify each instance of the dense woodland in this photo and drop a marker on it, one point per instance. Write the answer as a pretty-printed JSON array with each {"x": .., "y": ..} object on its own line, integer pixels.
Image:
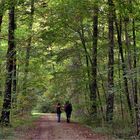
[{"x": 84, "y": 51}]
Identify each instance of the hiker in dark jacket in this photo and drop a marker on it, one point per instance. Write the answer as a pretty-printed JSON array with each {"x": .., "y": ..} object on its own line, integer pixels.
[
  {"x": 58, "y": 111},
  {"x": 68, "y": 110}
]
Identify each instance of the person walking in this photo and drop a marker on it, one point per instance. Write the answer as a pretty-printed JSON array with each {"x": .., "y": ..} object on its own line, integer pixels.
[
  {"x": 68, "y": 110},
  {"x": 58, "y": 111}
]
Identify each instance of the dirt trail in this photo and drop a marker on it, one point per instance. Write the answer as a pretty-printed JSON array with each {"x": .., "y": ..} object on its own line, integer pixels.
[{"x": 47, "y": 128}]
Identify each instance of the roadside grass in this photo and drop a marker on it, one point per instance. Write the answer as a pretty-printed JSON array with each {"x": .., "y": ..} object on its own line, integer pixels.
[
  {"x": 119, "y": 130},
  {"x": 24, "y": 121}
]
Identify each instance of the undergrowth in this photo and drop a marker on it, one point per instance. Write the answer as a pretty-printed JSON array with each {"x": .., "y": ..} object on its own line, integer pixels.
[
  {"x": 17, "y": 121},
  {"x": 118, "y": 129}
]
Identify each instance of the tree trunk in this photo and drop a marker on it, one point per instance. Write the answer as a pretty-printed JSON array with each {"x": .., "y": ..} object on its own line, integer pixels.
[
  {"x": 138, "y": 120},
  {"x": 5, "y": 117},
  {"x": 101, "y": 106},
  {"x": 1, "y": 12},
  {"x": 1, "y": 16},
  {"x": 94, "y": 62},
  {"x": 121, "y": 100},
  {"x": 129, "y": 59},
  {"x": 119, "y": 36},
  {"x": 88, "y": 58},
  {"x": 127, "y": 42},
  {"x": 28, "y": 49},
  {"x": 135, "y": 81},
  {"x": 110, "y": 97}
]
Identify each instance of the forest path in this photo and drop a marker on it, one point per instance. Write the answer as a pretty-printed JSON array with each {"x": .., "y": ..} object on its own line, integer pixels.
[{"x": 47, "y": 128}]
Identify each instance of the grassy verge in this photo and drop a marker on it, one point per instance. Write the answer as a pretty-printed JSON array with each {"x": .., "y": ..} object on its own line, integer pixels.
[
  {"x": 7, "y": 133},
  {"x": 119, "y": 130}
]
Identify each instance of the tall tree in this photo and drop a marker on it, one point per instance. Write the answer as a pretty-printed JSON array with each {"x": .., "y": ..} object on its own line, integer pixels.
[
  {"x": 125, "y": 80},
  {"x": 94, "y": 61},
  {"x": 5, "y": 117},
  {"x": 28, "y": 47},
  {"x": 135, "y": 80},
  {"x": 110, "y": 98},
  {"x": 137, "y": 108}
]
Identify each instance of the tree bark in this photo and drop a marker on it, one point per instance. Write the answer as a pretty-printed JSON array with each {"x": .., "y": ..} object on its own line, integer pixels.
[
  {"x": 110, "y": 97},
  {"x": 1, "y": 16},
  {"x": 135, "y": 81},
  {"x": 101, "y": 106},
  {"x": 119, "y": 36},
  {"x": 5, "y": 117},
  {"x": 129, "y": 59},
  {"x": 94, "y": 62},
  {"x": 120, "y": 86}
]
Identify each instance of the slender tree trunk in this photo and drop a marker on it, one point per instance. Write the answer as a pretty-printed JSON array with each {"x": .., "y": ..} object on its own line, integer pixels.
[
  {"x": 129, "y": 59},
  {"x": 135, "y": 80},
  {"x": 127, "y": 42},
  {"x": 94, "y": 62},
  {"x": 28, "y": 49},
  {"x": 135, "y": 87},
  {"x": 100, "y": 102},
  {"x": 2, "y": 4},
  {"x": 121, "y": 100},
  {"x": 88, "y": 58},
  {"x": 102, "y": 83},
  {"x": 119, "y": 36},
  {"x": 1, "y": 16},
  {"x": 135, "y": 63},
  {"x": 5, "y": 117},
  {"x": 110, "y": 97}
]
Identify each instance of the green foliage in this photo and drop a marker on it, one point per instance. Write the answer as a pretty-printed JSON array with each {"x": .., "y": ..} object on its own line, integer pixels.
[
  {"x": 58, "y": 69},
  {"x": 26, "y": 102},
  {"x": 45, "y": 104}
]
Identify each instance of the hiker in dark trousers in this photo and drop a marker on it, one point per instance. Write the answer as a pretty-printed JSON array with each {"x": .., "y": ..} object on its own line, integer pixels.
[
  {"x": 68, "y": 110},
  {"x": 58, "y": 111}
]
